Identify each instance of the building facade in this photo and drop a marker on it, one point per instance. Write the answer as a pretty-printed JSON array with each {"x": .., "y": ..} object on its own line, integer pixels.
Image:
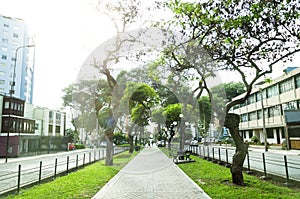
[
  {"x": 266, "y": 108},
  {"x": 32, "y": 130},
  {"x": 16, "y": 58}
]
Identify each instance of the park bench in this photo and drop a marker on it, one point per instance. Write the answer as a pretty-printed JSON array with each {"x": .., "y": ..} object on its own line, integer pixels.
[{"x": 183, "y": 157}]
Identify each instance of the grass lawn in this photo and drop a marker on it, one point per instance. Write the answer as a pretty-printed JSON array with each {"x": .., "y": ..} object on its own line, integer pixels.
[
  {"x": 84, "y": 183},
  {"x": 216, "y": 181}
]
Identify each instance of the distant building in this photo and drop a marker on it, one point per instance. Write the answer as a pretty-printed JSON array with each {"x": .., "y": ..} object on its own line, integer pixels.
[
  {"x": 278, "y": 99},
  {"x": 34, "y": 130},
  {"x": 14, "y": 37}
]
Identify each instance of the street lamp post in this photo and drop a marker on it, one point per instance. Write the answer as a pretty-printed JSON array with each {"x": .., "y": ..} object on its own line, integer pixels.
[
  {"x": 181, "y": 133},
  {"x": 11, "y": 92},
  {"x": 263, "y": 121}
]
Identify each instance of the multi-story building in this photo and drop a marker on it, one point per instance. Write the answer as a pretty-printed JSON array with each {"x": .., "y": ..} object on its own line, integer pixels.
[
  {"x": 34, "y": 130},
  {"x": 276, "y": 100},
  {"x": 16, "y": 59}
]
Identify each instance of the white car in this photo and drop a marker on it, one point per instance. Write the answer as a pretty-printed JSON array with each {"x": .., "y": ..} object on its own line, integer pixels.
[
  {"x": 194, "y": 142},
  {"x": 104, "y": 144}
]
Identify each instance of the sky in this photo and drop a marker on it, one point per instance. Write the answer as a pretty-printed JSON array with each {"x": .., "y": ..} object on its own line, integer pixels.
[{"x": 65, "y": 33}]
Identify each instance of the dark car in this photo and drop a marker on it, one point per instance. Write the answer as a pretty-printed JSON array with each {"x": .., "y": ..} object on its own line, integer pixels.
[{"x": 225, "y": 139}]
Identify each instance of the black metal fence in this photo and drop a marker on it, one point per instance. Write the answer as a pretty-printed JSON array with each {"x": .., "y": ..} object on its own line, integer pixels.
[
  {"x": 13, "y": 181},
  {"x": 282, "y": 166}
]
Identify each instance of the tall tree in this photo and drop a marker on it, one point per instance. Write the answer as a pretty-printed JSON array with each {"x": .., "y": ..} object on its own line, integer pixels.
[
  {"x": 123, "y": 15},
  {"x": 223, "y": 94},
  {"x": 248, "y": 37},
  {"x": 80, "y": 97},
  {"x": 138, "y": 99},
  {"x": 205, "y": 115}
]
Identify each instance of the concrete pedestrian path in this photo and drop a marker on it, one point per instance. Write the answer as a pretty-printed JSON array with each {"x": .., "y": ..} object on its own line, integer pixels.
[{"x": 151, "y": 174}]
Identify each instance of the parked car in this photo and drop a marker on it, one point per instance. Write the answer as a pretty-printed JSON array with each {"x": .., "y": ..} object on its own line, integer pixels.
[
  {"x": 225, "y": 139},
  {"x": 194, "y": 142},
  {"x": 71, "y": 147},
  {"x": 104, "y": 144}
]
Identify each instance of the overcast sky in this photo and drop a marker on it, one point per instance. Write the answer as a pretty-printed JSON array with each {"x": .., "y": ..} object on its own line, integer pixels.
[{"x": 66, "y": 32}]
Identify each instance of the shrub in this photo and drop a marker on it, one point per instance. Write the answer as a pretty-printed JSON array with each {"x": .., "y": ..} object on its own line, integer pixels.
[
  {"x": 284, "y": 146},
  {"x": 255, "y": 139},
  {"x": 79, "y": 146}
]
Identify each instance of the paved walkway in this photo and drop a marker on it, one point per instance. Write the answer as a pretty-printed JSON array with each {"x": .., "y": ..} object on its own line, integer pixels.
[{"x": 151, "y": 174}]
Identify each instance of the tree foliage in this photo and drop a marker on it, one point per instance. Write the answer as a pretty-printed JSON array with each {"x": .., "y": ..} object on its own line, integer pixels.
[{"x": 248, "y": 37}]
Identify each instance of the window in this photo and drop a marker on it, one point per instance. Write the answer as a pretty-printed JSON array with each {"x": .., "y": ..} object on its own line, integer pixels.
[
  {"x": 270, "y": 133},
  {"x": 50, "y": 128},
  {"x": 270, "y": 112},
  {"x": 250, "y": 133},
  {"x": 58, "y": 116},
  {"x": 244, "y": 117},
  {"x": 2, "y": 81},
  {"x": 50, "y": 115},
  {"x": 57, "y": 129},
  {"x": 297, "y": 81},
  {"x": 6, "y": 25},
  {"x": 276, "y": 110},
  {"x": 235, "y": 107},
  {"x": 259, "y": 114},
  {"x": 3, "y": 56},
  {"x": 252, "y": 116},
  {"x": 258, "y": 96},
  {"x": 289, "y": 106},
  {"x": 4, "y": 40},
  {"x": 286, "y": 86},
  {"x": 251, "y": 99},
  {"x": 2, "y": 73},
  {"x": 272, "y": 91},
  {"x": 243, "y": 104},
  {"x": 15, "y": 35},
  {"x": 6, "y": 105}
]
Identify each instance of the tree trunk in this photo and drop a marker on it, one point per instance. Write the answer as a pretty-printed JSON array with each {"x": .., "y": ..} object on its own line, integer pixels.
[
  {"x": 169, "y": 143},
  {"x": 131, "y": 148},
  {"x": 135, "y": 141},
  {"x": 232, "y": 123},
  {"x": 109, "y": 149}
]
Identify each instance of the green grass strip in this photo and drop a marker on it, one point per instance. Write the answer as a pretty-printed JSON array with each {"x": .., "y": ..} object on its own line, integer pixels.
[
  {"x": 84, "y": 183},
  {"x": 216, "y": 181}
]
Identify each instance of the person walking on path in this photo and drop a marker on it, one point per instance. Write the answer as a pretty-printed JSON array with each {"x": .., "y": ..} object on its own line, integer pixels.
[{"x": 151, "y": 174}]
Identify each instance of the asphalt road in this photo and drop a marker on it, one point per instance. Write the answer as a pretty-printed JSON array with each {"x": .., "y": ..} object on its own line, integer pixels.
[{"x": 51, "y": 164}]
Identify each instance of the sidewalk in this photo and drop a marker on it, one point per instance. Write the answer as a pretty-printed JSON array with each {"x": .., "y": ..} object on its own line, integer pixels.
[{"x": 151, "y": 174}]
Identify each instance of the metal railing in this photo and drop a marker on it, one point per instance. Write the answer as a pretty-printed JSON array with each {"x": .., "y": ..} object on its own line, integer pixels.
[
  {"x": 13, "y": 181},
  {"x": 279, "y": 165}
]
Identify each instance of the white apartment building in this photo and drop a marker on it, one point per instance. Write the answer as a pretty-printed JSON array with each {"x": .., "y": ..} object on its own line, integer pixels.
[
  {"x": 48, "y": 122},
  {"x": 276, "y": 98},
  {"x": 17, "y": 54}
]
